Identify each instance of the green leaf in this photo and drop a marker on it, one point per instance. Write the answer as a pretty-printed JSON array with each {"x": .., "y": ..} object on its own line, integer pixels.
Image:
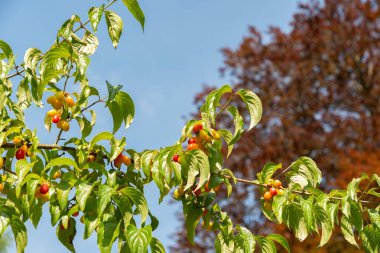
[
  {"x": 134, "y": 8},
  {"x": 293, "y": 217},
  {"x": 63, "y": 191},
  {"x": 308, "y": 214},
  {"x": 223, "y": 244},
  {"x": 227, "y": 136},
  {"x": 104, "y": 197},
  {"x": 24, "y": 94},
  {"x": 51, "y": 64},
  {"x": 355, "y": 215},
  {"x": 323, "y": 219},
  {"x": 121, "y": 107},
  {"x": 83, "y": 191},
  {"x": 66, "y": 236},
  {"x": 244, "y": 240},
  {"x": 61, "y": 161},
  {"x": 203, "y": 167},
  {"x": 124, "y": 206},
  {"x": 213, "y": 101},
  {"x": 108, "y": 231},
  {"x": 374, "y": 216},
  {"x": 239, "y": 124},
  {"x": 32, "y": 57},
  {"x": 156, "y": 246},
  {"x": 115, "y": 26},
  {"x": 4, "y": 222},
  {"x": 22, "y": 169},
  {"x": 266, "y": 246},
  {"x": 101, "y": 137},
  {"x": 91, "y": 43},
  {"x": 352, "y": 188},
  {"x": 6, "y": 49},
  {"x": 268, "y": 171},
  {"x": 36, "y": 215},
  {"x": 95, "y": 14},
  {"x": 253, "y": 103},
  {"x": 304, "y": 167},
  {"x": 193, "y": 213},
  {"x": 348, "y": 231},
  {"x": 278, "y": 206},
  {"x": 138, "y": 199},
  {"x": 139, "y": 239},
  {"x": 279, "y": 239},
  {"x": 371, "y": 238},
  {"x": 19, "y": 232}
]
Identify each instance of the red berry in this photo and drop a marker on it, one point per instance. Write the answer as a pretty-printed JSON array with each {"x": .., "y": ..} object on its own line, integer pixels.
[
  {"x": 56, "y": 118},
  {"x": 197, "y": 127},
  {"x": 44, "y": 188},
  {"x": 273, "y": 191},
  {"x": 192, "y": 140},
  {"x": 197, "y": 192},
  {"x": 75, "y": 214},
  {"x": 20, "y": 154},
  {"x": 175, "y": 158}
]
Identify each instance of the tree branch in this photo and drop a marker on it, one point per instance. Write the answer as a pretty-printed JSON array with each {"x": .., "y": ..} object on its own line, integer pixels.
[
  {"x": 40, "y": 146},
  {"x": 294, "y": 191}
]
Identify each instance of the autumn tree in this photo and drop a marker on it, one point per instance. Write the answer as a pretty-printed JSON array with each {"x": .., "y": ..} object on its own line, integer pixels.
[{"x": 320, "y": 88}]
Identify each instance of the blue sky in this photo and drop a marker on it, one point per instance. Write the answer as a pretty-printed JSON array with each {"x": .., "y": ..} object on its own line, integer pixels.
[{"x": 162, "y": 69}]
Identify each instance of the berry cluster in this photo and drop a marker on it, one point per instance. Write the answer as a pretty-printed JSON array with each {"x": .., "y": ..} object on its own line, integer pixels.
[
  {"x": 199, "y": 141},
  {"x": 274, "y": 187},
  {"x": 23, "y": 150},
  {"x": 58, "y": 102}
]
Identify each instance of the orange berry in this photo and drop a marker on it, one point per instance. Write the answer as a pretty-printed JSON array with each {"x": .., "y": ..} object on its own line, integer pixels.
[
  {"x": 1, "y": 187},
  {"x": 69, "y": 101},
  {"x": 277, "y": 183},
  {"x": 125, "y": 159},
  {"x": 1, "y": 162},
  {"x": 60, "y": 96},
  {"x": 51, "y": 99},
  {"x": 52, "y": 113},
  {"x": 16, "y": 140},
  {"x": 192, "y": 146},
  {"x": 24, "y": 147},
  {"x": 57, "y": 174},
  {"x": 267, "y": 196},
  {"x": 91, "y": 158},
  {"x": 57, "y": 104}
]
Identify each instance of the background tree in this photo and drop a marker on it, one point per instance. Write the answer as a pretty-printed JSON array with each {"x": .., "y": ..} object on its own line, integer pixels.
[{"x": 321, "y": 91}]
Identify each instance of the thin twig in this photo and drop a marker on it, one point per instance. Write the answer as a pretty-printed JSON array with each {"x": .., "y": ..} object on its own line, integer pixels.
[
  {"x": 94, "y": 103},
  {"x": 224, "y": 107}
]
